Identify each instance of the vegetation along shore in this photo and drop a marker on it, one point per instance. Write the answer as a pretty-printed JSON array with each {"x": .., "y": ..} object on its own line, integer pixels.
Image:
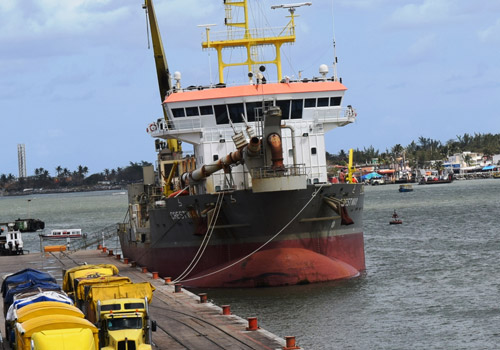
[{"x": 423, "y": 153}]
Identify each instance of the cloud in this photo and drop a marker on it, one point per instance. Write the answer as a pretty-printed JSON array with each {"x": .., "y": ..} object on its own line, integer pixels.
[
  {"x": 429, "y": 11},
  {"x": 491, "y": 34},
  {"x": 22, "y": 20},
  {"x": 422, "y": 49},
  {"x": 361, "y": 4}
]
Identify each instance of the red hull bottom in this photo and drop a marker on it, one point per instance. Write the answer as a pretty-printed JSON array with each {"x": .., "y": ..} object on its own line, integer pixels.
[
  {"x": 282, "y": 266},
  {"x": 281, "y": 263}
]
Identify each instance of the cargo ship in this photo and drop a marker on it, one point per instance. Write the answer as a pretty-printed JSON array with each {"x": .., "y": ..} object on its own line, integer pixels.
[{"x": 252, "y": 206}]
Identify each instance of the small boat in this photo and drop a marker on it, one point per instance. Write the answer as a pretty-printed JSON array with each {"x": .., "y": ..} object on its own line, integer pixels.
[
  {"x": 405, "y": 188},
  {"x": 430, "y": 180},
  {"x": 395, "y": 219},
  {"x": 28, "y": 225},
  {"x": 11, "y": 242},
  {"x": 64, "y": 233}
]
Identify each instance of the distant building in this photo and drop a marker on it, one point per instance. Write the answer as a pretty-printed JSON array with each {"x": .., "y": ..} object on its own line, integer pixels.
[
  {"x": 496, "y": 159},
  {"x": 21, "y": 160},
  {"x": 468, "y": 161}
]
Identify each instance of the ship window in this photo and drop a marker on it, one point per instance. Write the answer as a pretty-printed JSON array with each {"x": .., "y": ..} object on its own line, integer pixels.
[
  {"x": 252, "y": 107},
  {"x": 192, "y": 111},
  {"x": 313, "y": 150},
  {"x": 296, "y": 112},
  {"x": 235, "y": 112},
  {"x": 290, "y": 152},
  {"x": 285, "y": 108},
  {"x": 216, "y": 157},
  {"x": 322, "y": 102},
  {"x": 310, "y": 103},
  {"x": 178, "y": 112},
  {"x": 221, "y": 114},
  {"x": 335, "y": 101},
  {"x": 206, "y": 110}
]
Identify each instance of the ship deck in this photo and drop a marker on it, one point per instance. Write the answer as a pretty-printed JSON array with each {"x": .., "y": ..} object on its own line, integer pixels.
[{"x": 184, "y": 322}]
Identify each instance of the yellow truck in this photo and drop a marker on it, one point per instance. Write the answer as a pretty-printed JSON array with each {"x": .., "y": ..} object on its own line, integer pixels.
[
  {"x": 66, "y": 339},
  {"x": 85, "y": 285},
  {"x": 121, "y": 312},
  {"x": 73, "y": 276},
  {"x": 56, "y": 332}
]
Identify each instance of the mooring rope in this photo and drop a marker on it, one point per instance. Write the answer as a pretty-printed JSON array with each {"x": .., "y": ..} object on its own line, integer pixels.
[{"x": 205, "y": 241}]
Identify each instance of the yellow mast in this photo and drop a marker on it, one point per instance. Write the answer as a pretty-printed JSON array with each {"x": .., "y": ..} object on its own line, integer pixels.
[
  {"x": 161, "y": 66},
  {"x": 250, "y": 39},
  {"x": 351, "y": 169}
]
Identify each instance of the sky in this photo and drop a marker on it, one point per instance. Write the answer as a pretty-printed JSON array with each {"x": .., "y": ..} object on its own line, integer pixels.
[{"x": 78, "y": 82}]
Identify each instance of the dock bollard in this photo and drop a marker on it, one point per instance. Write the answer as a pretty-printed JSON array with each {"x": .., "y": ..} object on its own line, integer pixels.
[
  {"x": 104, "y": 249},
  {"x": 125, "y": 261},
  {"x": 178, "y": 288},
  {"x": 226, "y": 310},
  {"x": 290, "y": 343},
  {"x": 110, "y": 252},
  {"x": 155, "y": 275},
  {"x": 203, "y": 298},
  {"x": 118, "y": 256},
  {"x": 99, "y": 247},
  {"x": 144, "y": 269},
  {"x": 168, "y": 280},
  {"x": 252, "y": 324},
  {"x": 133, "y": 264}
]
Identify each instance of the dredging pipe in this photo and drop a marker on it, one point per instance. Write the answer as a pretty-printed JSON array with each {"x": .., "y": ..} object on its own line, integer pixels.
[{"x": 252, "y": 150}]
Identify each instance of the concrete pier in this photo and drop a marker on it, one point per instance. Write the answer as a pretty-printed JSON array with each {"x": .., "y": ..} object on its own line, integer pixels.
[{"x": 185, "y": 320}]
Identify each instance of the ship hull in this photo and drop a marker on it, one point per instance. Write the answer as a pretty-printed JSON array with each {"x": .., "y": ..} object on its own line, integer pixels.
[{"x": 259, "y": 239}]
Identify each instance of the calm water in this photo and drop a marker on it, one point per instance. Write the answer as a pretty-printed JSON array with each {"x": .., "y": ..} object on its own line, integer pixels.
[
  {"x": 90, "y": 211},
  {"x": 431, "y": 283}
]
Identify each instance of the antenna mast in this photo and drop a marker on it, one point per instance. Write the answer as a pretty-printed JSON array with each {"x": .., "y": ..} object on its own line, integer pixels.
[{"x": 335, "y": 61}]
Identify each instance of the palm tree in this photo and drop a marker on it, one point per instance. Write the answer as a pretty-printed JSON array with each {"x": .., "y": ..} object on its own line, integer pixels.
[
  {"x": 438, "y": 165},
  {"x": 468, "y": 159},
  {"x": 58, "y": 170}
]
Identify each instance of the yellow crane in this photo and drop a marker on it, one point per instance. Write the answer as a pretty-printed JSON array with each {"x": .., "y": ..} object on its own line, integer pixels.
[{"x": 164, "y": 78}]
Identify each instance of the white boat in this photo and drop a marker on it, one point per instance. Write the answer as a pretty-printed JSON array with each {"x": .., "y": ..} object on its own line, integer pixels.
[
  {"x": 64, "y": 233},
  {"x": 11, "y": 242}
]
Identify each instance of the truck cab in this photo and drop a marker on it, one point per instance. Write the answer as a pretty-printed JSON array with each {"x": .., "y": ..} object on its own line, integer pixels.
[{"x": 125, "y": 324}]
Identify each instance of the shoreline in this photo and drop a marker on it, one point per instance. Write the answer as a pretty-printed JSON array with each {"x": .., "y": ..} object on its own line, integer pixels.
[{"x": 4, "y": 193}]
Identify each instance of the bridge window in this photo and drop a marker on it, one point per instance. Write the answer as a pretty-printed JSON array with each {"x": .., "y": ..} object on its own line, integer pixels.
[
  {"x": 235, "y": 112},
  {"x": 323, "y": 102},
  {"x": 206, "y": 110},
  {"x": 297, "y": 106},
  {"x": 313, "y": 150},
  {"x": 310, "y": 103},
  {"x": 335, "y": 101},
  {"x": 252, "y": 107},
  {"x": 221, "y": 114},
  {"x": 178, "y": 112},
  {"x": 285, "y": 108},
  {"x": 192, "y": 111}
]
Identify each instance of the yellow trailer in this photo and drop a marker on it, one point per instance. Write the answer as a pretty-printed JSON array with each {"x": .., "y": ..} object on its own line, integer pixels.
[
  {"x": 67, "y": 339},
  {"x": 62, "y": 325},
  {"x": 73, "y": 275}
]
